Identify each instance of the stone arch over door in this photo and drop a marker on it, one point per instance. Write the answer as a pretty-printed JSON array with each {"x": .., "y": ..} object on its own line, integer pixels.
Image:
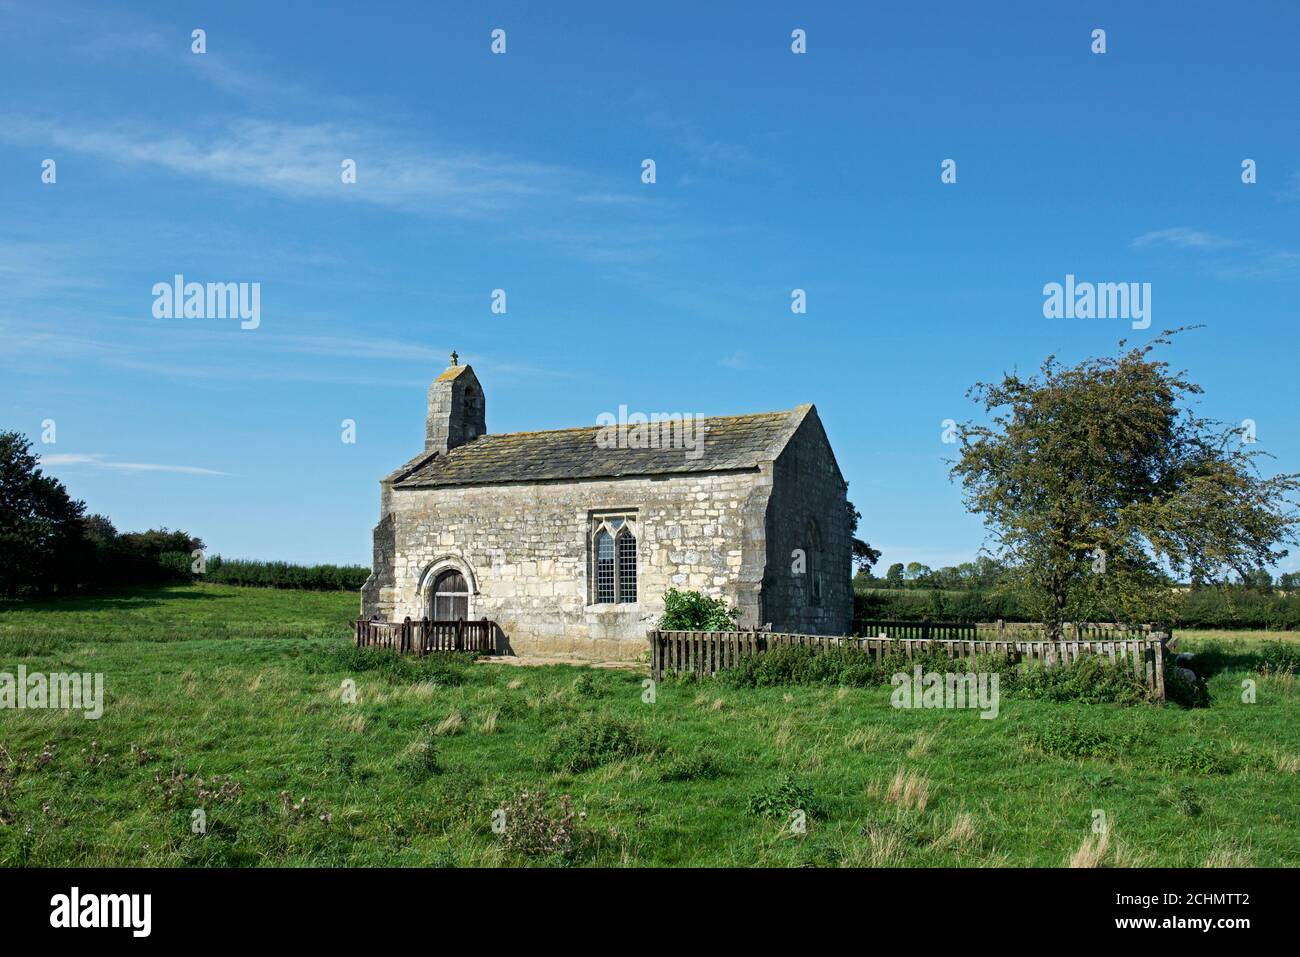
[{"x": 448, "y": 589}]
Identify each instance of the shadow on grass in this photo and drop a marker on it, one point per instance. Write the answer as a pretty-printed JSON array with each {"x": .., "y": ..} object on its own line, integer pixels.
[
  {"x": 120, "y": 600},
  {"x": 1215, "y": 657}
]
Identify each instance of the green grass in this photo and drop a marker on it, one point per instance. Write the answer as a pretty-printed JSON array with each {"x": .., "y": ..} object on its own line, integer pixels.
[
  {"x": 1195, "y": 635},
  {"x": 247, "y": 685}
]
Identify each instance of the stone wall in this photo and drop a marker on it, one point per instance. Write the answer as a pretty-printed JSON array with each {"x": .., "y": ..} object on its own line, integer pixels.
[
  {"x": 378, "y": 597},
  {"x": 524, "y": 548},
  {"x": 808, "y": 507}
]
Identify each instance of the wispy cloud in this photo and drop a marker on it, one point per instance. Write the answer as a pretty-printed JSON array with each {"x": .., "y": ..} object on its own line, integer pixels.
[
  {"x": 705, "y": 151},
  {"x": 100, "y": 461},
  {"x": 1291, "y": 190},
  {"x": 1264, "y": 264},
  {"x": 737, "y": 360},
  {"x": 1224, "y": 257},
  {"x": 128, "y": 41},
  {"x": 397, "y": 350},
  {"x": 608, "y": 198},
  {"x": 1183, "y": 237},
  {"x": 208, "y": 356},
  {"x": 31, "y": 268},
  {"x": 303, "y": 161}
]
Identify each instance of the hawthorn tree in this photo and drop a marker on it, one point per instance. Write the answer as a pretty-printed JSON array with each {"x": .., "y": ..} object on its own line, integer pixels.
[{"x": 1098, "y": 482}]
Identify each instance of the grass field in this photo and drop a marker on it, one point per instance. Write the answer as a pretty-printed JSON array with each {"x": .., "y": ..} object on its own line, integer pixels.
[
  {"x": 232, "y": 700},
  {"x": 1199, "y": 636}
]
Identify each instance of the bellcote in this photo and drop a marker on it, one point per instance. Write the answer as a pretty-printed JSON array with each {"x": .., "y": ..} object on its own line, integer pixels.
[{"x": 457, "y": 409}]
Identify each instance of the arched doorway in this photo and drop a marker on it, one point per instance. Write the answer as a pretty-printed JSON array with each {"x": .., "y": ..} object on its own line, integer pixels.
[{"x": 449, "y": 599}]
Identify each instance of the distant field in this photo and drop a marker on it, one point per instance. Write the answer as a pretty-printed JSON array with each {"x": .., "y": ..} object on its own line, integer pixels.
[
  {"x": 1207, "y": 609},
  {"x": 1195, "y": 635},
  {"x": 249, "y": 684},
  {"x": 181, "y": 613}
]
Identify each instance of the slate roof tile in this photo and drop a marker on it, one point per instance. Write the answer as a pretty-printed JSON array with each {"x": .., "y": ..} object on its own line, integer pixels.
[{"x": 730, "y": 442}]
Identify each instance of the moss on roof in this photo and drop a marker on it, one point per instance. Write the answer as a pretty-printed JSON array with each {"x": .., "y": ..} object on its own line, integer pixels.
[{"x": 729, "y": 442}]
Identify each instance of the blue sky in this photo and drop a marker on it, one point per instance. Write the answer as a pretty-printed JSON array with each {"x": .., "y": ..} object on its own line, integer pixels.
[{"x": 522, "y": 171}]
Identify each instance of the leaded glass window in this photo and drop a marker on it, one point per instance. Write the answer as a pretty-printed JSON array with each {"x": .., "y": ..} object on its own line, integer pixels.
[
  {"x": 604, "y": 567},
  {"x": 613, "y": 559},
  {"x": 626, "y": 566}
]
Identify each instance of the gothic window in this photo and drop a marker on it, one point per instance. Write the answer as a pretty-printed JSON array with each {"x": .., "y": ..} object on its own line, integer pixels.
[
  {"x": 613, "y": 559},
  {"x": 450, "y": 597},
  {"x": 604, "y": 567},
  {"x": 626, "y": 566}
]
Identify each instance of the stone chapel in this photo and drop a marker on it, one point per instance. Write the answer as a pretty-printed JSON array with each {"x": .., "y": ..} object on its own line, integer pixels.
[{"x": 568, "y": 539}]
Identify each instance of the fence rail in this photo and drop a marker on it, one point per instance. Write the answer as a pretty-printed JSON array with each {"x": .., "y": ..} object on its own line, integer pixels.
[
  {"x": 422, "y": 635},
  {"x": 1002, "y": 630},
  {"x": 708, "y": 652}
]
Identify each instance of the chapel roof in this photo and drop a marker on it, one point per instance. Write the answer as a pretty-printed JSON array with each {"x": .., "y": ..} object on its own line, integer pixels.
[{"x": 730, "y": 442}]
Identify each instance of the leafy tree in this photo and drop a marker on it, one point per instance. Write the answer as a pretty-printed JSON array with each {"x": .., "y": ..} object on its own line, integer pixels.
[
  {"x": 945, "y": 577},
  {"x": 864, "y": 556},
  {"x": 986, "y": 573},
  {"x": 153, "y": 542},
  {"x": 135, "y": 558},
  {"x": 894, "y": 577},
  {"x": 1259, "y": 579},
  {"x": 42, "y": 547},
  {"x": 99, "y": 529},
  {"x": 692, "y": 611},
  {"x": 1097, "y": 481},
  {"x": 917, "y": 573},
  {"x": 49, "y": 544}
]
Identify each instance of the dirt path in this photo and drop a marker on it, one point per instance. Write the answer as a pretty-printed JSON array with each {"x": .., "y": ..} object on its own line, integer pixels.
[{"x": 531, "y": 661}]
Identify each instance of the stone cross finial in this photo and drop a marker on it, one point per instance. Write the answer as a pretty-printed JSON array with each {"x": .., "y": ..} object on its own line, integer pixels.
[{"x": 454, "y": 357}]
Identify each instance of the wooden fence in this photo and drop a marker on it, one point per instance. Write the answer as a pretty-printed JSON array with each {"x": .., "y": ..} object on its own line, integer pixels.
[
  {"x": 708, "y": 652},
  {"x": 1002, "y": 630},
  {"x": 422, "y": 635}
]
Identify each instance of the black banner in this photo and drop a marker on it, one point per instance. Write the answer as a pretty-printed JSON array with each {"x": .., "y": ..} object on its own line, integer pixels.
[{"x": 336, "y": 907}]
